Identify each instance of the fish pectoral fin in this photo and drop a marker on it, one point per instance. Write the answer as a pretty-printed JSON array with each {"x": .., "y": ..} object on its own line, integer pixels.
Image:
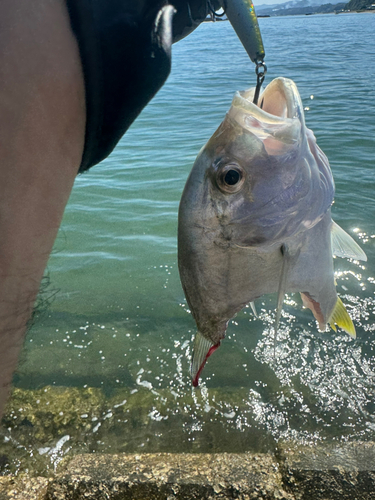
[
  {"x": 343, "y": 244},
  {"x": 287, "y": 258},
  {"x": 314, "y": 307},
  {"x": 341, "y": 318},
  {"x": 202, "y": 350}
]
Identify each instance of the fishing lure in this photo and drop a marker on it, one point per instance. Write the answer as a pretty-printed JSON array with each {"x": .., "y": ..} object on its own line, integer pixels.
[{"x": 242, "y": 16}]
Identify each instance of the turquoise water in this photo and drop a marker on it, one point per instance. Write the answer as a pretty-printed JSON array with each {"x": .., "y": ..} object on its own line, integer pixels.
[{"x": 119, "y": 321}]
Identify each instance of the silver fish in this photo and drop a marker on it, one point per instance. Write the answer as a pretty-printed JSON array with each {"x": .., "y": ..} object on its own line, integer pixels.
[{"x": 255, "y": 218}]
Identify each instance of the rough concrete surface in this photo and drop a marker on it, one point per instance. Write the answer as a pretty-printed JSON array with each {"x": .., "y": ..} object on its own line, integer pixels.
[
  {"x": 344, "y": 471},
  {"x": 169, "y": 476},
  {"x": 23, "y": 488}
]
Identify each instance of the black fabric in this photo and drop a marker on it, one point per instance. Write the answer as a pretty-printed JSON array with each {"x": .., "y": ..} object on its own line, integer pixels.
[
  {"x": 189, "y": 15},
  {"x": 125, "y": 48}
]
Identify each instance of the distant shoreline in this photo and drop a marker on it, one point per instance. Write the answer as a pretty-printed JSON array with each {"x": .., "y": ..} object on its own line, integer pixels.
[
  {"x": 339, "y": 8},
  {"x": 370, "y": 11},
  {"x": 262, "y": 16}
]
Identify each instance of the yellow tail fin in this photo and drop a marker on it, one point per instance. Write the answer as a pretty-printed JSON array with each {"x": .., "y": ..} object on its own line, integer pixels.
[{"x": 342, "y": 319}]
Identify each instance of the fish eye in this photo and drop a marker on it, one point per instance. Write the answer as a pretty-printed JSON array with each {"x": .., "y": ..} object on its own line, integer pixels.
[{"x": 230, "y": 178}]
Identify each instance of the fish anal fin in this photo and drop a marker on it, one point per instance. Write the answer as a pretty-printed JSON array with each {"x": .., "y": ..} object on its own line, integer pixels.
[
  {"x": 314, "y": 306},
  {"x": 253, "y": 308},
  {"x": 343, "y": 244},
  {"x": 202, "y": 350},
  {"x": 341, "y": 317}
]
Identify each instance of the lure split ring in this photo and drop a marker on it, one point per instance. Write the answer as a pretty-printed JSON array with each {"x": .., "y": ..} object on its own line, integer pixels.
[{"x": 260, "y": 71}]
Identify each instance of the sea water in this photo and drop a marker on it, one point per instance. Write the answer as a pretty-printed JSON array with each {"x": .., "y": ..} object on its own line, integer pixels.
[{"x": 108, "y": 355}]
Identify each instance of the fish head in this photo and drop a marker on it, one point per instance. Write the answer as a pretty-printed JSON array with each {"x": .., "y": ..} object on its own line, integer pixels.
[{"x": 258, "y": 181}]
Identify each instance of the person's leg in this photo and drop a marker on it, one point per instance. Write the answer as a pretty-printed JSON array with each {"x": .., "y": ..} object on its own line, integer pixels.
[{"x": 42, "y": 124}]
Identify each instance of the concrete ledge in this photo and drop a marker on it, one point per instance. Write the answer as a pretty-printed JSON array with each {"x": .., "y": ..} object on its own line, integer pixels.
[
  {"x": 23, "y": 488},
  {"x": 169, "y": 476},
  {"x": 324, "y": 472},
  {"x": 344, "y": 471}
]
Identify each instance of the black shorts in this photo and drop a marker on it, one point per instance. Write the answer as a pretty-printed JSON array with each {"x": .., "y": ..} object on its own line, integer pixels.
[{"x": 125, "y": 48}]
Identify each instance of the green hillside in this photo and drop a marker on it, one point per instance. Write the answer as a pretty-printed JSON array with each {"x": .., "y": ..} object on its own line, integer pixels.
[{"x": 359, "y": 4}]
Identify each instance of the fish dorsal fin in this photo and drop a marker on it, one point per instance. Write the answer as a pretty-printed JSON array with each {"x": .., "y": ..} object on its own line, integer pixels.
[
  {"x": 343, "y": 244},
  {"x": 342, "y": 319}
]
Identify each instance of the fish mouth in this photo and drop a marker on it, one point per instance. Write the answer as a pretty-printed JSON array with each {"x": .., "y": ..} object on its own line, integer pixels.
[
  {"x": 281, "y": 99},
  {"x": 202, "y": 350},
  {"x": 279, "y": 102},
  {"x": 277, "y": 121}
]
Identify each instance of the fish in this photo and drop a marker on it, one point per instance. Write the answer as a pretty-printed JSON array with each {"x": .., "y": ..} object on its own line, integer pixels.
[{"x": 255, "y": 219}]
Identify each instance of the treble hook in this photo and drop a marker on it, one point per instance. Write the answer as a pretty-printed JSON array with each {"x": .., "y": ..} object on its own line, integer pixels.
[{"x": 260, "y": 71}]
